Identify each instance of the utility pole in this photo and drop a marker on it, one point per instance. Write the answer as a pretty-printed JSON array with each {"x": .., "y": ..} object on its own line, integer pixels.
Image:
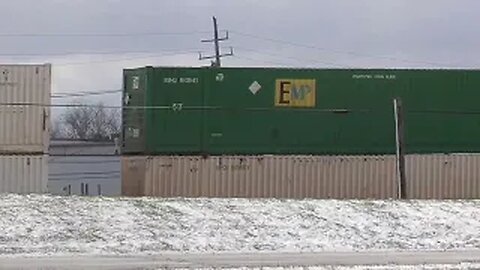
[
  {"x": 400, "y": 147},
  {"x": 216, "y": 41},
  {"x": 217, "y": 47}
]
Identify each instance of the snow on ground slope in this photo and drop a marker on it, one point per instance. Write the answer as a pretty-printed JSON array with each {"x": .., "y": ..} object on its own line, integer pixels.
[
  {"x": 366, "y": 267},
  {"x": 46, "y": 225}
]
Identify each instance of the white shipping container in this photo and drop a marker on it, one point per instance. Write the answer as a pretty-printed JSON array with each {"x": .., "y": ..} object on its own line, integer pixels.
[
  {"x": 23, "y": 174},
  {"x": 24, "y": 129}
]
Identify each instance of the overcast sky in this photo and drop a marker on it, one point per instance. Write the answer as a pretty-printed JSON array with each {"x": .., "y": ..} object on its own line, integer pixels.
[{"x": 90, "y": 41}]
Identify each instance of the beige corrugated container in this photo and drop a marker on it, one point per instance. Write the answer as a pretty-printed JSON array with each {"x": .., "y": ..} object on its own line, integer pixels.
[
  {"x": 339, "y": 177},
  {"x": 24, "y": 129},
  {"x": 23, "y": 174},
  {"x": 433, "y": 176},
  {"x": 454, "y": 176}
]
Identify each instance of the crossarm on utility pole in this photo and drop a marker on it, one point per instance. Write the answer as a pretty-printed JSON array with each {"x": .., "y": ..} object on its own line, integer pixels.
[{"x": 216, "y": 39}]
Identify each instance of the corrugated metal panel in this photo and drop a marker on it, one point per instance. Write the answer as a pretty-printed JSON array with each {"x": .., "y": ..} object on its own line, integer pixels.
[
  {"x": 133, "y": 176},
  {"x": 433, "y": 176},
  {"x": 23, "y": 174},
  {"x": 24, "y": 129},
  {"x": 339, "y": 177},
  {"x": 455, "y": 176}
]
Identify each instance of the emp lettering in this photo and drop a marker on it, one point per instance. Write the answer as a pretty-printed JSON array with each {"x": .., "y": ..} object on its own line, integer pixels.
[{"x": 295, "y": 93}]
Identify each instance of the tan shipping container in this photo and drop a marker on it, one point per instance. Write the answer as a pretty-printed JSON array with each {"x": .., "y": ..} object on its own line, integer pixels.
[
  {"x": 432, "y": 176},
  {"x": 23, "y": 174},
  {"x": 439, "y": 176},
  {"x": 339, "y": 177},
  {"x": 24, "y": 129}
]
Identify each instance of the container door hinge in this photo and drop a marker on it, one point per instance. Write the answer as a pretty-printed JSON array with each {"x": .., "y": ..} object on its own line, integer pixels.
[{"x": 44, "y": 120}]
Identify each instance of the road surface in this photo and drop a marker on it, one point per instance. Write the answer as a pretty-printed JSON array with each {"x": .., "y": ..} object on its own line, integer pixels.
[{"x": 173, "y": 260}]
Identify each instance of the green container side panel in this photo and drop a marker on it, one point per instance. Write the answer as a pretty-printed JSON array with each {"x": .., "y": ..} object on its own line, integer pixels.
[
  {"x": 306, "y": 111},
  {"x": 437, "y": 105},
  {"x": 177, "y": 129},
  {"x": 251, "y": 123}
]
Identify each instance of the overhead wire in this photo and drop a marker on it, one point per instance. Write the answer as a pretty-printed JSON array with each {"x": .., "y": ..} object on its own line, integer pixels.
[
  {"x": 200, "y": 108},
  {"x": 157, "y": 55},
  {"x": 175, "y": 107},
  {"x": 261, "y": 60},
  {"x": 121, "y": 52},
  {"x": 241, "y": 33},
  {"x": 96, "y": 35},
  {"x": 336, "y": 51},
  {"x": 280, "y": 56},
  {"x": 123, "y": 55},
  {"x": 83, "y": 94}
]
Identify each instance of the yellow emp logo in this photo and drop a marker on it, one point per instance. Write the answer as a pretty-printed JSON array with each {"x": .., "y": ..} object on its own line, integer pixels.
[{"x": 295, "y": 93}]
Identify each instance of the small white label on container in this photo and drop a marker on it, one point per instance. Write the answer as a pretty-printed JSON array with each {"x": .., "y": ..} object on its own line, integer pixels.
[
  {"x": 136, "y": 133},
  {"x": 182, "y": 80},
  {"x": 135, "y": 82}
]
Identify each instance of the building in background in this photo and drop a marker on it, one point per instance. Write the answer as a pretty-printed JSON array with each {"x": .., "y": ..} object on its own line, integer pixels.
[{"x": 84, "y": 168}]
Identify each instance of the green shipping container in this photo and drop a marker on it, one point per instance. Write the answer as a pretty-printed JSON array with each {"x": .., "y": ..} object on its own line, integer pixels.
[{"x": 218, "y": 111}]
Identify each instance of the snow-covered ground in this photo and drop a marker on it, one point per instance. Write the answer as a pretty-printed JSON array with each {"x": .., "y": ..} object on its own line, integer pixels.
[
  {"x": 367, "y": 267},
  {"x": 52, "y": 225}
]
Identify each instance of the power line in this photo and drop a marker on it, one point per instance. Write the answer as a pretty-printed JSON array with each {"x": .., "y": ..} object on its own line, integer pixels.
[
  {"x": 175, "y": 107},
  {"x": 102, "y": 34},
  {"x": 274, "y": 40},
  {"x": 286, "y": 42},
  {"x": 98, "y": 52},
  {"x": 293, "y": 58},
  {"x": 26, "y": 104},
  {"x": 83, "y": 94},
  {"x": 261, "y": 60},
  {"x": 258, "y": 109},
  {"x": 124, "y": 59}
]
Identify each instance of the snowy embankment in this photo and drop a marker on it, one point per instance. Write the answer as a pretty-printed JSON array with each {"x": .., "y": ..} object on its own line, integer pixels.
[
  {"x": 47, "y": 225},
  {"x": 465, "y": 266}
]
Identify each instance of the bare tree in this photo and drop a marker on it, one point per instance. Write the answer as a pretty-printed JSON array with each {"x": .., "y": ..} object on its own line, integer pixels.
[
  {"x": 91, "y": 123},
  {"x": 56, "y": 129}
]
